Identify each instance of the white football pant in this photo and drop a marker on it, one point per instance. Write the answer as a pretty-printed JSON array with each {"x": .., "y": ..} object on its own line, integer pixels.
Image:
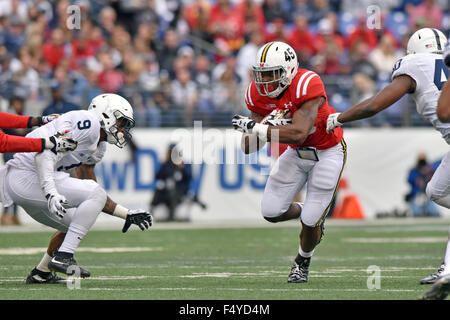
[{"x": 290, "y": 174}]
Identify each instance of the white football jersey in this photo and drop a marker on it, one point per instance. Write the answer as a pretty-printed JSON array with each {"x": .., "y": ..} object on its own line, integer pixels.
[
  {"x": 430, "y": 74},
  {"x": 83, "y": 126}
]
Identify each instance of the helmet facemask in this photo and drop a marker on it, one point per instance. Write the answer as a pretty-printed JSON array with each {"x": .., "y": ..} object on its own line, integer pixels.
[
  {"x": 273, "y": 87},
  {"x": 119, "y": 133}
]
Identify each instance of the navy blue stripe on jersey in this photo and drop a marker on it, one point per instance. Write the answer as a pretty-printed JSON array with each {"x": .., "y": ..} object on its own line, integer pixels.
[
  {"x": 438, "y": 40},
  {"x": 69, "y": 167}
]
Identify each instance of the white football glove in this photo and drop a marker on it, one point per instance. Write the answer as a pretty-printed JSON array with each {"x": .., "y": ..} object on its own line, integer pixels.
[
  {"x": 446, "y": 55},
  {"x": 60, "y": 143},
  {"x": 49, "y": 118},
  {"x": 244, "y": 124},
  {"x": 332, "y": 122},
  {"x": 277, "y": 118},
  {"x": 56, "y": 203}
]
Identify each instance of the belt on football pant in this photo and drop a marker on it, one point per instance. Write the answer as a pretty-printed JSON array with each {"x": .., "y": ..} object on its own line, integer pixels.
[{"x": 307, "y": 153}]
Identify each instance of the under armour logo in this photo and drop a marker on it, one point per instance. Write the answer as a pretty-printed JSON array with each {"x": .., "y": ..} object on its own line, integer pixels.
[{"x": 287, "y": 105}]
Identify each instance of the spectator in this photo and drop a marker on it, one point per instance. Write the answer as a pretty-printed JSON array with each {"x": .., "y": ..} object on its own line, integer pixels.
[
  {"x": 318, "y": 10},
  {"x": 384, "y": 56},
  {"x": 246, "y": 57},
  {"x": 417, "y": 199},
  {"x": 109, "y": 79},
  {"x": 108, "y": 18},
  {"x": 251, "y": 12},
  {"x": 204, "y": 81},
  {"x": 226, "y": 84},
  {"x": 58, "y": 104},
  {"x": 359, "y": 60},
  {"x": 197, "y": 16},
  {"x": 15, "y": 34},
  {"x": 427, "y": 11},
  {"x": 184, "y": 95},
  {"x": 24, "y": 74},
  {"x": 361, "y": 33},
  {"x": 276, "y": 31},
  {"x": 53, "y": 51},
  {"x": 273, "y": 9},
  {"x": 302, "y": 40},
  {"x": 226, "y": 25},
  {"x": 172, "y": 183},
  {"x": 168, "y": 53}
]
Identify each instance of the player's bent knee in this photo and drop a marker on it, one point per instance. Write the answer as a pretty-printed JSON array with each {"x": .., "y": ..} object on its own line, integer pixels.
[
  {"x": 99, "y": 194},
  {"x": 432, "y": 193},
  {"x": 272, "y": 213}
]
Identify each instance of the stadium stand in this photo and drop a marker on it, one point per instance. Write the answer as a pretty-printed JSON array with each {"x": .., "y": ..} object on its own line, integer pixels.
[{"x": 167, "y": 57}]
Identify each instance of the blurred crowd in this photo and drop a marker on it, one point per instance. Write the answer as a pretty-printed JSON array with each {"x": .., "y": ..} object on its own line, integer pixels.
[{"x": 179, "y": 60}]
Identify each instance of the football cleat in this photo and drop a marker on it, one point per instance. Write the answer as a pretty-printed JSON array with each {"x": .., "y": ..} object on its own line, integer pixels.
[
  {"x": 299, "y": 271},
  {"x": 64, "y": 263},
  {"x": 41, "y": 277},
  {"x": 439, "y": 290},
  {"x": 434, "y": 276}
]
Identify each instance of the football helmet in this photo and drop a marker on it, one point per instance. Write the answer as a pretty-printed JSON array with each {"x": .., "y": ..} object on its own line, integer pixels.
[
  {"x": 427, "y": 40},
  {"x": 116, "y": 117},
  {"x": 275, "y": 67}
]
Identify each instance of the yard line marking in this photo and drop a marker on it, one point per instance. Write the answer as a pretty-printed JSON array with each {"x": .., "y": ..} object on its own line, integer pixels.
[
  {"x": 397, "y": 240},
  {"x": 25, "y": 251},
  {"x": 227, "y": 289}
]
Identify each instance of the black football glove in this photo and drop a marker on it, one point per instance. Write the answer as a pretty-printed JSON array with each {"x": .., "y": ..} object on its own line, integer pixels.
[{"x": 138, "y": 217}]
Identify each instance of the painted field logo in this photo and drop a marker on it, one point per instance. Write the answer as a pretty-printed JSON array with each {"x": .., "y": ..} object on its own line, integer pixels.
[{"x": 374, "y": 278}]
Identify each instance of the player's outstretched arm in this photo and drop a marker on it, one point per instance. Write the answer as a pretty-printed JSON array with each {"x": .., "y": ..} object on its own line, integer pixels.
[
  {"x": 443, "y": 109},
  {"x": 139, "y": 217},
  {"x": 400, "y": 86}
]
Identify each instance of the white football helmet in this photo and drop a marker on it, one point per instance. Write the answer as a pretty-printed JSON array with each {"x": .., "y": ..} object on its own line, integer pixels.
[
  {"x": 116, "y": 117},
  {"x": 427, "y": 40},
  {"x": 275, "y": 67}
]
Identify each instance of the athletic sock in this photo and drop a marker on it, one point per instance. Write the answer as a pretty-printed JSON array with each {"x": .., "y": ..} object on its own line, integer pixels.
[
  {"x": 73, "y": 238},
  {"x": 447, "y": 259},
  {"x": 43, "y": 265}
]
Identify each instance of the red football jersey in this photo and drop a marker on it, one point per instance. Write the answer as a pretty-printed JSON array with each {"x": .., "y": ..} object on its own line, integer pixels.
[
  {"x": 17, "y": 143},
  {"x": 305, "y": 86}
]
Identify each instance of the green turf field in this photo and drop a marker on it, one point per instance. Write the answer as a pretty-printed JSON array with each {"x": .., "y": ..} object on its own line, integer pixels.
[{"x": 233, "y": 263}]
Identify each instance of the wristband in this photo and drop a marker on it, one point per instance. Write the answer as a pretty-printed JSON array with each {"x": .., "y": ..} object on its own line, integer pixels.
[
  {"x": 261, "y": 131},
  {"x": 120, "y": 211}
]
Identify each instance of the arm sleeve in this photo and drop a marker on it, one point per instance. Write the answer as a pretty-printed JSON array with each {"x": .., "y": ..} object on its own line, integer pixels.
[
  {"x": 13, "y": 121},
  {"x": 45, "y": 166},
  {"x": 12, "y": 144}
]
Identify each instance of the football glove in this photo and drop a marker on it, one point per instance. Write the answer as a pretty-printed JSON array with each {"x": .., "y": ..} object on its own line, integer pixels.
[
  {"x": 141, "y": 218},
  {"x": 332, "y": 122},
  {"x": 56, "y": 203},
  {"x": 277, "y": 118},
  {"x": 446, "y": 55},
  {"x": 243, "y": 124},
  {"x": 49, "y": 118},
  {"x": 60, "y": 143}
]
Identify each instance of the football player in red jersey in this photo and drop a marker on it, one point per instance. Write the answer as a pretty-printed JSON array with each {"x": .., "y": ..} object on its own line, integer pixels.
[
  {"x": 12, "y": 144},
  {"x": 314, "y": 156}
]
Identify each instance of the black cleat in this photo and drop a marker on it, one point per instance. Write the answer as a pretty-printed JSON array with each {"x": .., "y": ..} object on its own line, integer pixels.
[
  {"x": 439, "y": 290},
  {"x": 65, "y": 263},
  {"x": 299, "y": 270},
  {"x": 434, "y": 276},
  {"x": 41, "y": 277}
]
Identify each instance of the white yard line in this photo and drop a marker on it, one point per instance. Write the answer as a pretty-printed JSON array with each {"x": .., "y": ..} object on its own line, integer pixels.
[{"x": 28, "y": 251}]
